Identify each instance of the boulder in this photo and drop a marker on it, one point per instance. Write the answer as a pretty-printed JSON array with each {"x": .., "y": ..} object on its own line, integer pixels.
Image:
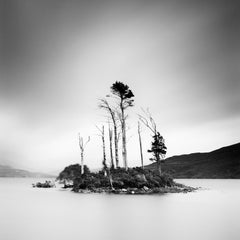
[
  {"x": 145, "y": 188},
  {"x": 141, "y": 178}
]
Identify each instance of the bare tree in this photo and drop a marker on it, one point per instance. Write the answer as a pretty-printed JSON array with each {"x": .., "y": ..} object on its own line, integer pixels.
[
  {"x": 140, "y": 143},
  {"x": 104, "y": 162},
  {"x": 110, "y": 132},
  {"x": 125, "y": 97},
  {"x": 82, "y": 146},
  {"x": 105, "y": 105},
  {"x": 102, "y": 134},
  {"x": 158, "y": 147}
]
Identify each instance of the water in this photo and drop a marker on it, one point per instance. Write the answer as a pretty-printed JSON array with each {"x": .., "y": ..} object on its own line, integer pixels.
[{"x": 53, "y": 214}]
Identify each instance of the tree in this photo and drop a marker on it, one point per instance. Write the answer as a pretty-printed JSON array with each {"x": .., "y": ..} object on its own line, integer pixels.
[
  {"x": 71, "y": 172},
  {"x": 125, "y": 97},
  {"x": 105, "y": 105},
  {"x": 102, "y": 134},
  {"x": 140, "y": 143},
  {"x": 82, "y": 146},
  {"x": 110, "y": 132},
  {"x": 158, "y": 147},
  {"x": 104, "y": 162}
]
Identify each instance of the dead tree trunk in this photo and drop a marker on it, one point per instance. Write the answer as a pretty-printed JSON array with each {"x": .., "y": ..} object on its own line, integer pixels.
[
  {"x": 140, "y": 143},
  {"x": 105, "y": 167},
  {"x": 110, "y": 147},
  {"x": 105, "y": 105},
  {"x": 104, "y": 149},
  {"x": 116, "y": 143},
  {"x": 102, "y": 132},
  {"x": 124, "y": 141},
  {"x": 82, "y": 162},
  {"x": 82, "y": 146}
]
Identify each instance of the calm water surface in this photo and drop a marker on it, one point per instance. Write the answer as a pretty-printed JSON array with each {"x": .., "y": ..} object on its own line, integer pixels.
[{"x": 53, "y": 214}]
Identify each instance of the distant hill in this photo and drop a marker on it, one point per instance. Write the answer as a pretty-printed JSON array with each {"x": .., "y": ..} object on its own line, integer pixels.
[
  {"x": 221, "y": 163},
  {"x": 7, "y": 171}
]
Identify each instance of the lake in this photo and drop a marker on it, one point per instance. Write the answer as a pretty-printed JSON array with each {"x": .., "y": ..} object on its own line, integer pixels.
[{"x": 28, "y": 213}]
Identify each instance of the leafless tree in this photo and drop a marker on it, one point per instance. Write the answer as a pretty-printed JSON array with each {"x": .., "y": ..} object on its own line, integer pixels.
[
  {"x": 140, "y": 143},
  {"x": 148, "y": 121},
  {"x": 113, "y": 114},
  {"x": 82, "y": 146},
  {"x": 102, "y": 134},
  {"x": 110, "y": 132},
  {"x": 104, "y": 162}
]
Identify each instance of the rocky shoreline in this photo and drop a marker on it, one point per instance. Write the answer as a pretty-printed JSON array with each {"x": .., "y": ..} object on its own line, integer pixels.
[{"x": 179, "y": 188}]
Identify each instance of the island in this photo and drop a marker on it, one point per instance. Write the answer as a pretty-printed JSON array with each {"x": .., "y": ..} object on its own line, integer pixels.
[
  {"x": 119, "y": 181},
  {"x": 116, "y": 177}
]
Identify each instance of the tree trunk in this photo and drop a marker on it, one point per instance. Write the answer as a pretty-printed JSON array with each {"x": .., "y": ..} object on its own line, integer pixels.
[
  {"x": 116, "y": 144},
  {"x": 104, "y": 150},
  {"x": 140, "y": 144},
  {"x": 82, "y": 146},
  {"x": 124, "y": 147},
  {"x": 124, "y": 150},
  {"x": 110, "y": 179},
  {"x": 82, "y": 166},
  {"x": 159, "y": 167},
  {"x": 110, "y": 143}
]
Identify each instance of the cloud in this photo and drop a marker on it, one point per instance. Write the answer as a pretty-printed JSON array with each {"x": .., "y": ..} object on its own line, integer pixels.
[{"x": 180, "y": 59}]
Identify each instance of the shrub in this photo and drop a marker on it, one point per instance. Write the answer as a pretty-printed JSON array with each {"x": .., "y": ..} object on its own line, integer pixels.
[
  {"x": 133, "y": 178},
  {"x": 73, "y": 171}
]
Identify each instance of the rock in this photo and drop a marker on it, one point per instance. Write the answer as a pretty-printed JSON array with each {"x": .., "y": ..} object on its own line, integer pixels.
[
  {"x": 47, "y": 184},
  {"x": 84, "y": 191},
  {"x": 141, "y": 178},
  {"x": 145, "y": 188}
]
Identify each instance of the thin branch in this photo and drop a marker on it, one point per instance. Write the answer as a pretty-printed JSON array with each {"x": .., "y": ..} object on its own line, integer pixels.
[{"x": 145, "y": 122}]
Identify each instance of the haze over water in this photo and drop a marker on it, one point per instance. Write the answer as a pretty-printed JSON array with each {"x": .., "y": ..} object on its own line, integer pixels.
[{"x": 35, "y": 214}]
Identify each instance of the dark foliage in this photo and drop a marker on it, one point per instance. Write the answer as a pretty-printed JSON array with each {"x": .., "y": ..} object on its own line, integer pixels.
[
  {"x": 46, "y": 184},
  {"x": 122, "y": 179},
  {"x": 91, "y": 181},
  {"x": 73, "y": 171},
  {"x": 158, "y": 147},
  {"x": 122, "y": 90}
]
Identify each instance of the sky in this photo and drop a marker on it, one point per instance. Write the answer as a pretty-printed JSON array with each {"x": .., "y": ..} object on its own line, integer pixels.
[{"x": 181, "y": 59}]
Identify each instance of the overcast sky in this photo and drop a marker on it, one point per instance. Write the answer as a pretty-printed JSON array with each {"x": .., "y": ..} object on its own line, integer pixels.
[{"x": 180, "y": 59}]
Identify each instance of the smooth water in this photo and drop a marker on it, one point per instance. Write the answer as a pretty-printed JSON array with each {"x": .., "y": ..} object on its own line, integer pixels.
[{"x": 54, "y": 214}]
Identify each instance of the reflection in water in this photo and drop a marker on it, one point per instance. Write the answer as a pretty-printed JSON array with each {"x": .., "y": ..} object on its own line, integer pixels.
[{"x": 41, "y": 214}]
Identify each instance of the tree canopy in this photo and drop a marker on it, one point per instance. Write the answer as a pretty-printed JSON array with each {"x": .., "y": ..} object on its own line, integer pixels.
[{"x": 122, "y": 90}]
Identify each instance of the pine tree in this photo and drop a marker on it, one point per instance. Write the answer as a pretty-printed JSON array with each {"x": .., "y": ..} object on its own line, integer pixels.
[
  {"x": 125, "y": 97},
  {"x": 158, "y": 149}
]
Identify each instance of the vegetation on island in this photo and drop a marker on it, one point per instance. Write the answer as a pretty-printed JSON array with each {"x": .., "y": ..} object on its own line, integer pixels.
[
  {"x": 133, "y": 181},
  {"x": 46, "y": 184},
  {"x": 112, "y": 178}
]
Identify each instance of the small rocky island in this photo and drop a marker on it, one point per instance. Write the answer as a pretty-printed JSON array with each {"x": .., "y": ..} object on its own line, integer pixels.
[
  {"x": 119, "y": 181},
  {"x": 46, "y": 184},
  {"x": 112, "y": 178}
]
